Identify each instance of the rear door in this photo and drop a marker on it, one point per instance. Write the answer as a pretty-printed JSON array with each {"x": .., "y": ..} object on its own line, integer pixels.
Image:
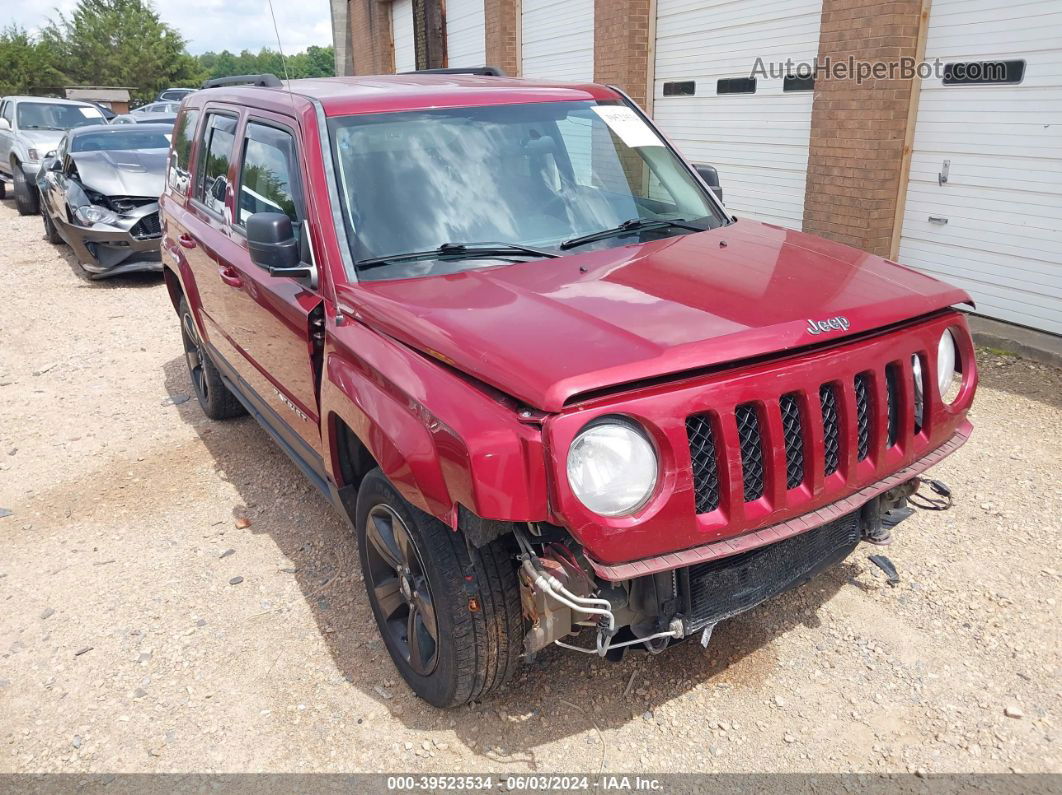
[
  {"x": 206, "y": 220},
  {"x": 267, "y": 319}
]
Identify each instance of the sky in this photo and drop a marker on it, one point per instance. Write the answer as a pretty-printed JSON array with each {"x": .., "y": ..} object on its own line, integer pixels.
[{"x": 211, "y": 24}]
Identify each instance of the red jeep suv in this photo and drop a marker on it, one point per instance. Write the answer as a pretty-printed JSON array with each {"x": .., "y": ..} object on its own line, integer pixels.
[{"x": 562, "y": 395}]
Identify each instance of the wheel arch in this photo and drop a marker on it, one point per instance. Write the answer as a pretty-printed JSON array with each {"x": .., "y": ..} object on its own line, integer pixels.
[
  {"x": 451, "y": 450},
  {"x": 173, "y": 286}
]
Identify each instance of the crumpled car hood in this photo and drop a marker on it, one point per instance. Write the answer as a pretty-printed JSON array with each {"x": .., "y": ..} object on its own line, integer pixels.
[
  {"x": 548, "y": 330},
  {"x": 123, "y": 173}
]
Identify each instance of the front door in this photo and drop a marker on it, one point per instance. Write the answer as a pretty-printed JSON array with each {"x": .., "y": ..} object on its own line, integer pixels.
[{"x": 266, "y": 319}]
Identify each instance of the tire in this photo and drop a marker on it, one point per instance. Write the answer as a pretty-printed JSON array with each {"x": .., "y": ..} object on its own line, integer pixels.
[
  {"x": 50, "y": 232},
  {"x": 474, "y": 595},
  {"x": 27, "y": 200},
  {"x": 217, "y": 402},
  {"x": 3, "y": 189}
]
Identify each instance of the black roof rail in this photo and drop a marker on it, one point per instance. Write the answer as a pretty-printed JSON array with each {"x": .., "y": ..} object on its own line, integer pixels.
[
  {"x": 262, "y": 81},
  {"x": 482, "y": 71}
]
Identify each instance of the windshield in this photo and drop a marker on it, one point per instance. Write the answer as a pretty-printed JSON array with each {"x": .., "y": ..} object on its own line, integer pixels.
[
  {"x": 54, "y": 116},
  {"x": 536, "y": 174},
  {"x": 120, "y": 139}
]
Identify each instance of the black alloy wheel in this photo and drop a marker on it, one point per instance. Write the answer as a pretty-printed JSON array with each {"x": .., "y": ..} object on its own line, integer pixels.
[
  {"x": 194, "y": 357},
  {"x": 449, "y": 612},
  {"x": 400, "y": 590}
]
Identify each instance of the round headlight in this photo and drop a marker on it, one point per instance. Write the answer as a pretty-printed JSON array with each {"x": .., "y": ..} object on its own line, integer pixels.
[
  {"x": 949, "y": 377},
  {"x": 612, "y": 467}
]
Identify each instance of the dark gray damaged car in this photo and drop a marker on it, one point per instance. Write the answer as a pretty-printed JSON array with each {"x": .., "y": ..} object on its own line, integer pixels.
[{"x": 100, "y": 191}]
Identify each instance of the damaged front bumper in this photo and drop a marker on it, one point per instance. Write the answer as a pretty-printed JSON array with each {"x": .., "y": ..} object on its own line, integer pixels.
[
  {"x": 563, "y": 595},
  {"x": 132, "y": 243}
]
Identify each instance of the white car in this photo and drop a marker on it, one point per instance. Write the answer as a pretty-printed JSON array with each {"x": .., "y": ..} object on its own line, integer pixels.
[{"x": 30, "y": 128}]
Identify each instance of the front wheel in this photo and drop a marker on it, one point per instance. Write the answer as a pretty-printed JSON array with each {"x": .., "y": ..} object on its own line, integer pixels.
[
  {"x": 449, "y": 613},
  {"x": 50, "y": 232},
  {"x": 27, "y": 200}
]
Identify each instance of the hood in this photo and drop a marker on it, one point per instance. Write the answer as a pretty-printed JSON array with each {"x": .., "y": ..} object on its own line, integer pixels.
[
  {"x": 547, "y": 330},
  {"x": 123, "y": 173},
  {"x": 43, "y": 141}
]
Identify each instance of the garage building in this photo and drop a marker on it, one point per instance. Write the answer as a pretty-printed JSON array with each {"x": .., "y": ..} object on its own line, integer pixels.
[{"x": 957, "y": 173}]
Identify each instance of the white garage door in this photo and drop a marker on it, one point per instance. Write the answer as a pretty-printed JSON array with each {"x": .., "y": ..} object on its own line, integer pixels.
[
  {"x": 402, "y": 35},
  {"x": 995, "y": 226},
  {"x": 758, "y": 141},
  {"x": 466, "y": 43},
  {"x": 557, "y": 40}
]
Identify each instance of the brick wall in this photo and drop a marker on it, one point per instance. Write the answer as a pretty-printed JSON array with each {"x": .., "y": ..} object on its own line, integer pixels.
[
  {"x": 502, "y": 23},
  {"x": 621, "y": 45},
  {"x": 857, "y": 131},
  {"x": 370, "y": 37}
]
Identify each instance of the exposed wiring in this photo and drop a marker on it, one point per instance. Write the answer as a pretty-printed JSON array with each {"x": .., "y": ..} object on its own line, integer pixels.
[{"x": 929, "y": 503}]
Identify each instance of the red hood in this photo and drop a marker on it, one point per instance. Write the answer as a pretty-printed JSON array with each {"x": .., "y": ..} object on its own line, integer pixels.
[{"x": 545, "y": 330}]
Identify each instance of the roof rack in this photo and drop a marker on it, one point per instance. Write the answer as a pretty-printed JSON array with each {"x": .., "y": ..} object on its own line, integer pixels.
[
  {"x": 262, "y": 81},
  {"x": 482, "y": 71}
]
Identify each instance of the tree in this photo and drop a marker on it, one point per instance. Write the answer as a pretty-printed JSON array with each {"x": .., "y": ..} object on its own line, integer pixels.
[
  {"x": 315, "y": 62},
  {"x": 121, "y": 43},
  {"x": 28, "y": 65}
]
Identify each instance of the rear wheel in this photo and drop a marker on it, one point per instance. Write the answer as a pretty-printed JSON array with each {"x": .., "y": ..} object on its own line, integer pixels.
[
  {"x": 449, "y": 614},
  {"x": 50, "y": 232},
  {"x": 27, "y": 200},
  {"x": 214, "y": 397}
]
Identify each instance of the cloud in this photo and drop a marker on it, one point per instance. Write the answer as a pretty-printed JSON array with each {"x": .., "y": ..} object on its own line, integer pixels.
[{"x": 217, "y": 25}]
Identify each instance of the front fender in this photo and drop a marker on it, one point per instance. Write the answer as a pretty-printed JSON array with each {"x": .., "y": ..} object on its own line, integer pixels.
[{"x": 442, "y": 440}]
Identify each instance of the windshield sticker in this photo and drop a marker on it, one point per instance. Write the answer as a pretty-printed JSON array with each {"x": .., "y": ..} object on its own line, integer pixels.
[
  {"x": 627, "y": 125},
  {"x": 90, "y": 113}
]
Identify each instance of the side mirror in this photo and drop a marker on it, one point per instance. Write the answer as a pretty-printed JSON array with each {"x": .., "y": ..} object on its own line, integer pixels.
[
  {"x": 711, "y": 178},
  {"x": 54, "y": 163},
  {"x": 272, "y": 245},
  {"x": 5, "y": 124},
  {"x": 49, "y": 155}
]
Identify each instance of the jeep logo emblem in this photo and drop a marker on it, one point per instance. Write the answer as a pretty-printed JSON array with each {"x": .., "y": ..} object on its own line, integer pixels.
[{"x": 838, "y": 323}]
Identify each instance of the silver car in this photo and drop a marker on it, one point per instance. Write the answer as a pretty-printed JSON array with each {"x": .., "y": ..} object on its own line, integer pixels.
[{"x": 30, "y": 128}]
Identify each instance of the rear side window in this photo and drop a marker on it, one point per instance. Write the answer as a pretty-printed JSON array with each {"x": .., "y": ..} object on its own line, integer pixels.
[
  {"x": 215, "y": 153},
  {"x": 180, "y": 163},
  {"x": 269, "y": 181}
]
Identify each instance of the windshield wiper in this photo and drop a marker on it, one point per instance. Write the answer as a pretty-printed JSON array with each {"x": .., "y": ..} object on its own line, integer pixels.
[
  {"x": 458, "y": 251},
  {"x": 633, "y": 225}
]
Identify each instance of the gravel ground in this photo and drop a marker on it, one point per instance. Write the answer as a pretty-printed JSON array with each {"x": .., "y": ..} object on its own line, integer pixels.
[{"x": 176, "y": 597}]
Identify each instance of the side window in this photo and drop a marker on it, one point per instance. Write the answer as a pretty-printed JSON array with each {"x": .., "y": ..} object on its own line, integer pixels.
[
  {"x": 269, "y": 175},
  {"x": 8, "y": 113},
  {"x": 180, "y": 165},
  {"x": 215, "y": 152}
]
